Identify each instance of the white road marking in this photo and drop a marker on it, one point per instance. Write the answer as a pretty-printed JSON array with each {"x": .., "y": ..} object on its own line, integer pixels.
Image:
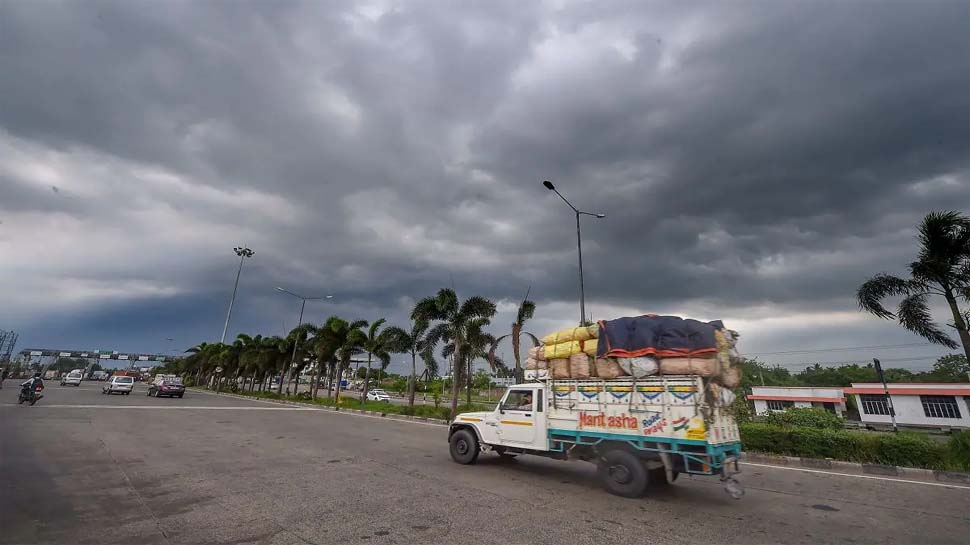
[
  {"x": 890, "y": 479},
  {"x": 169, "y": 407}
]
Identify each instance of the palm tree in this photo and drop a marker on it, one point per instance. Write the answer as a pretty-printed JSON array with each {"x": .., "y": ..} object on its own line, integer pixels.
[
  {"x": 942, "y": 268},
  {"x": 380, "y": 344},
  {"x": 415, "y": 343},
  {"x": 526, "y": 310},
  {"x": 297, "y": 341},
  {"x": 455, "y": 318},
  {"x": 349, "y": 340},
  {"x": 478, "y": 343},
  {"x": 324, "y": 346}
]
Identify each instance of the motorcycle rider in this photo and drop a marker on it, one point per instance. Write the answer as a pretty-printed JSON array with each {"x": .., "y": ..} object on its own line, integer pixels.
[{"x": 32, "y": 384}]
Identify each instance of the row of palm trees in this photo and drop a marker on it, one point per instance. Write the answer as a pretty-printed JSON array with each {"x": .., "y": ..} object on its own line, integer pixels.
[{"x": 440, "y": 324}]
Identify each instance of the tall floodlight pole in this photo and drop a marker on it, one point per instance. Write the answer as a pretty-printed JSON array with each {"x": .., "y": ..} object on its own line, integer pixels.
[
  {"x": 579, "y": 247},
  {"x": 296, "y": 341},
  {"x": 243, "y": 253}
]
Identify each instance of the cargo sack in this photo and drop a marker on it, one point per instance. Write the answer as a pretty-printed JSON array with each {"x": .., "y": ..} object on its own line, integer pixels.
[
  {"x": 537, "y": 374},
  {"x": 719, "y": 396},
  {"x": 607, "y": 368},
  {"x": 593, "y": 331},
  {"x": 563, "y": 350},
  {"x": 534, "y": 352},
  {"x": 541, "y": 353},
  {"x": 567, "y": 335},
  {"x": 705, "y": 367},
  {"x": 559, "y": 368},
  {"x": 731, "y": 377},
  {"x": 531, "y": 364},
  {"x": 579, "y": 366},
  {"x": 589, "y": 347},
  {"x": 639, "y": 367}
]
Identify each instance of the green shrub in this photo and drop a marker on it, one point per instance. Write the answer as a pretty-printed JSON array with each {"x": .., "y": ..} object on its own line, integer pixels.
[
  {"x": 741, "y": 408},
  {"x": 901, "y": 449},
  {"x": 959, "y": 450},
  {"x": 808, "y": 417}
]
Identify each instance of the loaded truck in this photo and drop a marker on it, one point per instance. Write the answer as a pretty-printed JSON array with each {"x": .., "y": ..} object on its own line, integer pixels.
[{"x": 639, "y": 432}]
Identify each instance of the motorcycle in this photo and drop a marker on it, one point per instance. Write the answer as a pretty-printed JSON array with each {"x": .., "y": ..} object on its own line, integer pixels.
[{"x": 32, "y": 395}]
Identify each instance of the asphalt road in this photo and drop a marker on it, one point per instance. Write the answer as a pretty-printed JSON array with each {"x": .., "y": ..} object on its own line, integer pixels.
[{"x": 80, "y": 467}]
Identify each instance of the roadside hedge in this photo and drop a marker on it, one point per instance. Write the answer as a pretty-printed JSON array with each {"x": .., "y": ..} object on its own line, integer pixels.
[{"x": 899, "y": 449}]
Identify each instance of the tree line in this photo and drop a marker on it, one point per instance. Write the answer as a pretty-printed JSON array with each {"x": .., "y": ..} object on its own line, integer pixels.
[
  {"x": 950, "y": 368},
  {"x": 439, "y": 325}
]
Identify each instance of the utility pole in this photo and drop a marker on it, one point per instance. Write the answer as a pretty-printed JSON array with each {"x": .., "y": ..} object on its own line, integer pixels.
[
  {"x": 243, "y": 253},
  {"x": 889, "y": 399}
]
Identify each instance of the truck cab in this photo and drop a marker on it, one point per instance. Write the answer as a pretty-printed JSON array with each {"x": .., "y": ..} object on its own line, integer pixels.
[{"x": 517, "y": 422}]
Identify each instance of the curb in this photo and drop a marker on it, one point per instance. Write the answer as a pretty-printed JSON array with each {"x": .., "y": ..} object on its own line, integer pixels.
[
  {"x": 954, "y": 477},
  {"x": 389, "y": 416}
]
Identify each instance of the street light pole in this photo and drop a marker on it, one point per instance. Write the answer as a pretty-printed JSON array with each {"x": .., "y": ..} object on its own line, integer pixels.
[
  {"x": 579, "y": 247},
  {"x": 243, "y": 253},
  {"x": 296, "y": 341}
]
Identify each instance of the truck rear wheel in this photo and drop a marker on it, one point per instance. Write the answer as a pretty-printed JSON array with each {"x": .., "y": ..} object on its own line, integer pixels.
[
  {"x": 463, "y": 447},
  {"x": 622, "y": 474}
]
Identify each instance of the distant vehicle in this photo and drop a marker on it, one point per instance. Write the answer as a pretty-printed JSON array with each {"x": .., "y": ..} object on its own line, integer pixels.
[
  {"x": 73, "y": 378},
  {"x": 99, "y": 375},
  {"x": 119, "y": 384},
  {"x": 378, "y": 395},
  {"x": 166, "y": 387},
  {"x": 50, "y": 375}
]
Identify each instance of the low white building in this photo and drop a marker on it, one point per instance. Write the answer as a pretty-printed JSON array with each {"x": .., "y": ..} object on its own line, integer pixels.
[
  {"x": 915, "y": 404},
  {"x": 778, "y": 398}
]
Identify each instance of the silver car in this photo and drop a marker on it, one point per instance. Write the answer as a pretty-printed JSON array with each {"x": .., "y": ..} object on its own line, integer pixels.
[{"x": 120, "y": 385}]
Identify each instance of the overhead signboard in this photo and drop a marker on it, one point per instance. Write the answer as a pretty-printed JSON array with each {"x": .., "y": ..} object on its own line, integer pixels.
[
  {"x": 142, "y": 358},
  {"x": 36, "y": 353},
  {"x": 105, "y": 356},
  {"x": 64, "y": 354},
  {"x": 84, "y": 354},
  {"x": 123, "y": 357}
]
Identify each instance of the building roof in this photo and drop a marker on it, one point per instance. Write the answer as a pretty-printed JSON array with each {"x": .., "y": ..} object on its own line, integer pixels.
[
  {"x": 797, "y": 398},
  {"x": 911, "y": 388}
]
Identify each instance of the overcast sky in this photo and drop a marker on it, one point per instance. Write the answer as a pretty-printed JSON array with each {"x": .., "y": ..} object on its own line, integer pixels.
[{"x": 756, "y": 162}]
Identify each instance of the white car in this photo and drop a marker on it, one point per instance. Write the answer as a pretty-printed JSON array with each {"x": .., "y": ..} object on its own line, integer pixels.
[
  {"x": 121, "y": 385},
  {"x": 73, "y": 378},
  {"x": 378, "y": 395}
]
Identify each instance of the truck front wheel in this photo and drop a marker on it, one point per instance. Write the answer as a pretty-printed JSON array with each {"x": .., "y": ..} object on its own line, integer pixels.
[
  {"x": 622, "y": 474},
  {"x": 463, "y": 447}
]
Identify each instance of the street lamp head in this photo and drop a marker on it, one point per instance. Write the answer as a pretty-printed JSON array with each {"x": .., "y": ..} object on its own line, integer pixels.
[
  {"x": 280, "y": 289},
  {"x": 600, "y": 216},
  {"x": 243, "y": 251},
  {"x": 549, "y": 185},
  {"x": 328, "y": 297}
]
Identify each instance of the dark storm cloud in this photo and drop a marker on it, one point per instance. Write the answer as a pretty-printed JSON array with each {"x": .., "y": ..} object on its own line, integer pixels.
[{"x": 748, "y": 155}]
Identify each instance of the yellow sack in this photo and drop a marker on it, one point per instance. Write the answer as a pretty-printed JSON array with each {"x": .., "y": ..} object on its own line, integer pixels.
[
  {"x": 567, "y": 335},
  {"x": 590, "y": 347},
  {"x": 593, "y": 331},
  {"x": 562, "y": 350}
]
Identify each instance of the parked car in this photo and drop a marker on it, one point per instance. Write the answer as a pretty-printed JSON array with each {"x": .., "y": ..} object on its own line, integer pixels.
[
  {"x": 166, "y": 387},
  {"x": 73, "y": 378},
  {"x": 119, "y": 384},
  {"x": 378, "y": 395}
]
